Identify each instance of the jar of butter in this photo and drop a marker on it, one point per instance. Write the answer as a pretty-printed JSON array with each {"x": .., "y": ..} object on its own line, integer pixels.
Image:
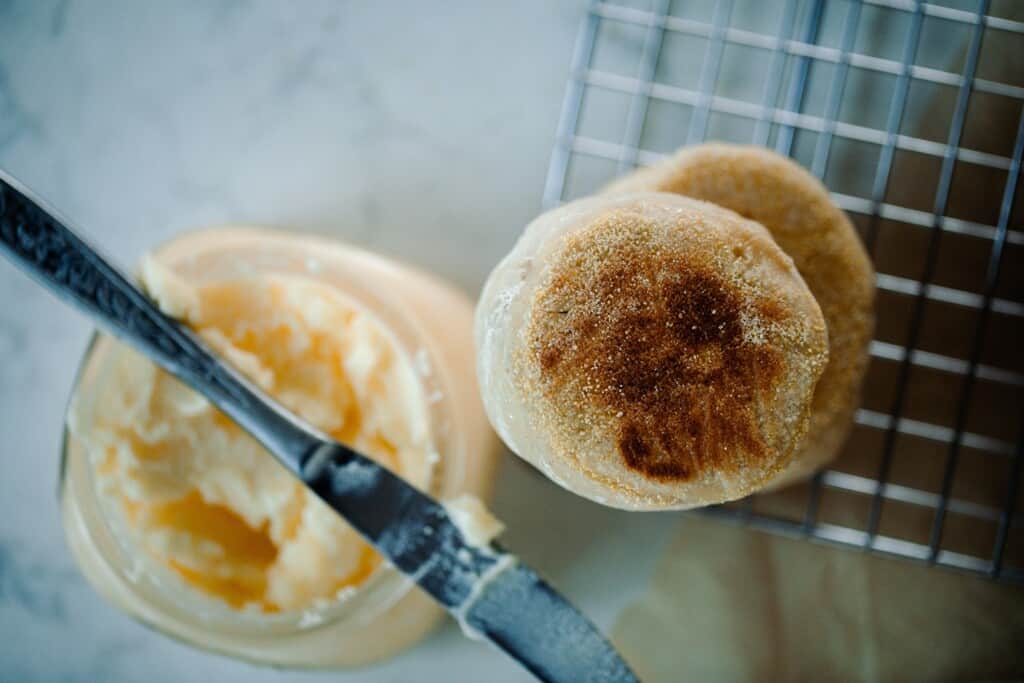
[{"x": 181, "y": 519}]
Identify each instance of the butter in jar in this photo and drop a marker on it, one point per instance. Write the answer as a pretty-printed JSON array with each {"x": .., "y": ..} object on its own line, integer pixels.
[{"x": 182, "y": 519}]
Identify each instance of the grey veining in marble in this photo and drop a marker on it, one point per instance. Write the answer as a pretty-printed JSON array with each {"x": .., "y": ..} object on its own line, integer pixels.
[{"x": 422, "y": 131}]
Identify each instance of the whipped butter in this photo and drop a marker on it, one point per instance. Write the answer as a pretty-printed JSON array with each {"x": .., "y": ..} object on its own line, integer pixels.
[
  {"x": 181, "y": 519},
  {"x": 197, "y": 494}
]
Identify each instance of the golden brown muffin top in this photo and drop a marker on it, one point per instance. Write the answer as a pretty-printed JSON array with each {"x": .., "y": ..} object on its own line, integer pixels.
[{"x": 670, "y": 339}]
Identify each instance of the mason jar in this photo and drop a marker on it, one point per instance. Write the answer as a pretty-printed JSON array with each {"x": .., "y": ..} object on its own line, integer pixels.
[{"x": 431, "y": 324}]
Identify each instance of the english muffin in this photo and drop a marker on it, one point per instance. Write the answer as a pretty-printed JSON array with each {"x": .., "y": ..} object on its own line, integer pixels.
[{"x": 649, "y": 351}]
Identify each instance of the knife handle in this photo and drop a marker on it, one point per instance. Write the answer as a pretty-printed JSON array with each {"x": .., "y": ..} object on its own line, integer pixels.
[{"x": 54, "y": 255}]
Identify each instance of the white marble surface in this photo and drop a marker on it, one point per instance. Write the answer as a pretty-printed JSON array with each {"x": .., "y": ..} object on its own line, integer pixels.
[{"x": 421, "y": 130}]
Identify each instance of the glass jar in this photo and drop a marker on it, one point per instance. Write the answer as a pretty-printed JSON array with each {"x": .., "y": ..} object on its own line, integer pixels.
[{"x": 432, "y": 325}]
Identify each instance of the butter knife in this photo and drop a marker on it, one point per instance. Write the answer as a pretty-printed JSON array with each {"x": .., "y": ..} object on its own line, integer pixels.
[{"x": 490, "y": 593}]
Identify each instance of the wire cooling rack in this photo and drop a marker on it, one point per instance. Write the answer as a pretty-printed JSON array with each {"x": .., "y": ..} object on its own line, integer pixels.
[{"x": 911, "y": 113}]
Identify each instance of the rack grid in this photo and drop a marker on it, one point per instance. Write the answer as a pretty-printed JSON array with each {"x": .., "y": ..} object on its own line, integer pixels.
[{"x": 911, "y": 113}]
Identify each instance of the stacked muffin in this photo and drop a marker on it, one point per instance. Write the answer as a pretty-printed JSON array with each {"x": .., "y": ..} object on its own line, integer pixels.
[{"x": 696, "y": 332}]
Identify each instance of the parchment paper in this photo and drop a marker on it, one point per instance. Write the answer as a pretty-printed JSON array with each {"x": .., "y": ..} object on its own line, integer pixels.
[{"x": 732, "y": 604}]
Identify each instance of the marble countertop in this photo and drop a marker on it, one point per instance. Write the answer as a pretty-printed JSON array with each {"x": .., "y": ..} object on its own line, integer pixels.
[{"x": 421, "y": 131}]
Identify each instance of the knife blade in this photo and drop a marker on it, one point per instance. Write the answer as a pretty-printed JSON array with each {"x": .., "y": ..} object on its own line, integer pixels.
[{"x": 490, "y": 593}]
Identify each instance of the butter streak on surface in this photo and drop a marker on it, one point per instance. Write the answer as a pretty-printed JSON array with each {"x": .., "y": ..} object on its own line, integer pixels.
[
  {"x": 478, "y": 527},
  {"x": 197, "y": 495},
  {"x": 472, "y": 518}
]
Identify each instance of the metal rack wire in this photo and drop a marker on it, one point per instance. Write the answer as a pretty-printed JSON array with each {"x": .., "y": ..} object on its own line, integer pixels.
[{"x": 911, "y": 113}]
